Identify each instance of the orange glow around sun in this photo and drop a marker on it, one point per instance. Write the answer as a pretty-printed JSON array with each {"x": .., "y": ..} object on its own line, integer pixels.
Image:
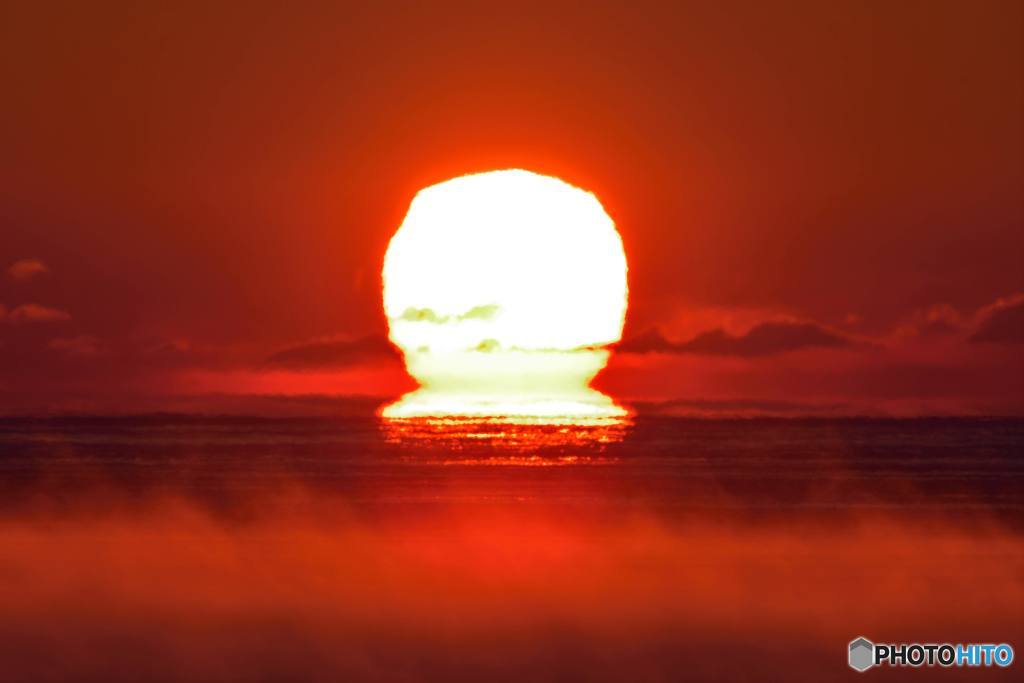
[{"x": 502, "y": 290}]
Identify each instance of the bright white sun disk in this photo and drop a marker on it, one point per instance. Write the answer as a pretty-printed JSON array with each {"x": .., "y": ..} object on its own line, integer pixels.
[{"x": 502, "y": 290}]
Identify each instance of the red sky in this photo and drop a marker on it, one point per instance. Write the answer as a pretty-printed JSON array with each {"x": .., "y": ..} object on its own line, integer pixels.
[{"x": 192, "y": 196}]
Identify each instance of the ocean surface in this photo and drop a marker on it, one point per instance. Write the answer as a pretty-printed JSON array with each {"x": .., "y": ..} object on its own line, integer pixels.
[
  {"x": 223, "y": 548},
  {"x": 761, "y": 467}
]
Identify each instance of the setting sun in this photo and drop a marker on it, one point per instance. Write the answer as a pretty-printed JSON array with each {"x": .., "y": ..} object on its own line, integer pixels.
[
  {"x": 453, "y": 342},
  {"x": 502, "y": 290}
]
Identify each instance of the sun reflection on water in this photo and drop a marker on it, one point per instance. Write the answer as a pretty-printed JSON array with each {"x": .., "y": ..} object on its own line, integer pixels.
[{"x": 513, "y": 441}]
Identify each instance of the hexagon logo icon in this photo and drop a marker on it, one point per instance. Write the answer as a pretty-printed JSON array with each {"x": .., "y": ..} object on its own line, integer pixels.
[{"x": 862, "y": 654}]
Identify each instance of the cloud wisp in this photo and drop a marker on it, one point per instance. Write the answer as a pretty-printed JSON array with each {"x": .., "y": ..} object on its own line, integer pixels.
[
  {"x": 27, "y": 269},
  {"x": 764, "y": 339},
  {"x": 333, "y": 353},
  {"x": 428, "y": 315},
  {"x": 35, "y": 313},
  {"x": 1001, "y": 322}
]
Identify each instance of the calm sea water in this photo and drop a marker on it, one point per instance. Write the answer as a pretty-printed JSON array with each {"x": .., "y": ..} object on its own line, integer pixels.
[
  {"x": 226, "y": 549},
  {"x": 955, "y": 466}
]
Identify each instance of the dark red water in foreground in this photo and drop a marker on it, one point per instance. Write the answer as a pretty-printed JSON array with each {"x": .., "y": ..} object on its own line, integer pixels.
[{"x": 230, "y": 549}]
